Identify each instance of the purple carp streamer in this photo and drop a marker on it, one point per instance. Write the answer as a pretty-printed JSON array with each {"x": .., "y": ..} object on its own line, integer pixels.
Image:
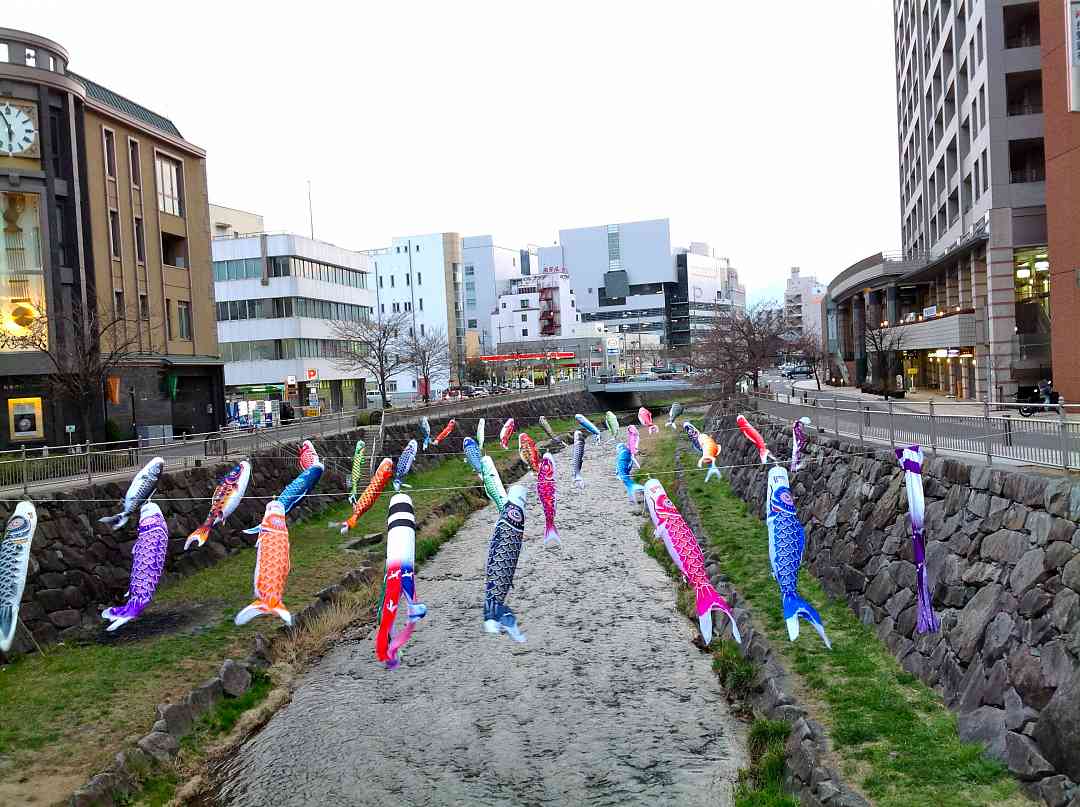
[
  {"x": 911, "y": 461},
  {"x": 798, "y": 444}
]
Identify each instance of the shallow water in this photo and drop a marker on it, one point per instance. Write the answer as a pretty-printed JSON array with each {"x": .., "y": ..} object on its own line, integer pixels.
[{"x": 607, "y": 702}]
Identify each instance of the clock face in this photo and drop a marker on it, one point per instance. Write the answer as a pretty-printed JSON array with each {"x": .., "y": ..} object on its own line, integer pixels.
[{"x": 17, "y": 131}]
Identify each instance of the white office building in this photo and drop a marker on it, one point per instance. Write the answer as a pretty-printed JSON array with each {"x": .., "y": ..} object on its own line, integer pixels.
[
  {"x": 487, "y": 267},
  {"x": 537, "y": 308},
  {"x": 277, "y": 296},
  {"x": 803, "y": 298},
  {"x": 422, "y": 276}
]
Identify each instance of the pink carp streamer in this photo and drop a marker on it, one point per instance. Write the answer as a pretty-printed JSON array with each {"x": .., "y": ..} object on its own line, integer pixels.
[{"x": 911, "y": 459}]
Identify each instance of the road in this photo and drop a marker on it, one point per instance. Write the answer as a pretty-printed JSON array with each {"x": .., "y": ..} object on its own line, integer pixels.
[
  {"x": 960, "y": 428},
  {"x": 607, "y": 703}
]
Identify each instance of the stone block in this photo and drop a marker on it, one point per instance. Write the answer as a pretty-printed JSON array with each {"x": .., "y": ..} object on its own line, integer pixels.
[
  {"x": 1030, "y": 677},
  {"x": 1029, "y": 570},
  {"x": 205, "y": 696},
  {"x": 1004, "y": 546},
  {"x": 1038, "y": 525},
  {"x": 1055, "y": 790},
  {"x": 976, "y": 615},
  {"x": 178, "y": 718},
  {"x": 235, "y": 679},
  {"x": 159, "y": 745},
  {"x": 1070, "y": 575},
  {"x": 68, "y": 618},
  {"x": 986, "y": 726},
  {"x": 1024, "y": 759},
  {"x": 1059, "y": 553}
]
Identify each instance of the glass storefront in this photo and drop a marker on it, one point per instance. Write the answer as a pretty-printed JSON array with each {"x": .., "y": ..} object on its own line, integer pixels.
[{"x": 22, "y": 278}]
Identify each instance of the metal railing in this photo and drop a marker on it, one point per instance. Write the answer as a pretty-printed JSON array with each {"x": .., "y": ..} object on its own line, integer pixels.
[
  {"x": 1051, "y": 438},
  {"x": 27, "y": 468}
]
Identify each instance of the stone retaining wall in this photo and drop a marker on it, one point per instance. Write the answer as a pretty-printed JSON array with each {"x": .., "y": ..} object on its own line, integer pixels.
[{"x": 1003, "y": 551}]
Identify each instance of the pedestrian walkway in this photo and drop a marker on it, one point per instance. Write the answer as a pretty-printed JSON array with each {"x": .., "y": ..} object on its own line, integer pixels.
[{"x": 607, "y": 702}]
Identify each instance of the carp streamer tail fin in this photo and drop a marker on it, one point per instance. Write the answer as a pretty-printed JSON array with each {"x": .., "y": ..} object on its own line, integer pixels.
[
  {"x": 260, "y": 607},
  {"x": 115, "y": 522},
  {"x": 120, "y": 616},
  {"x": 551, "y": 537},
  {"x": 712, "y": 471},
  {"x": 707, "y": 600},
  {"x": 7, "y": 626},
  {"x": 200, "y": 535},
  {"x": 794, "y": 607},
  {"x": 927, "y": 619}
]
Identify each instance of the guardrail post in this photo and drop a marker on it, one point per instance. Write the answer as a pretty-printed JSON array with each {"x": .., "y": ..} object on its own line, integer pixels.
[
  {"x": 25, "y": 471},
  {"x": 836, "y": 416},
  {"x": 986, "y": 436},
  {"x": 892, "y": 431},
  {"x": 862, "y": 406},
  {"x": 1066, "y": 451},
  {"x": 89, "y": 465},
  {"x": 933, "y": 429}
]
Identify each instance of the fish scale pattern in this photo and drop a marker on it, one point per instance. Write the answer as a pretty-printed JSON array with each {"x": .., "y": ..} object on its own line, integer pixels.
[
  {"x": 579, "y": 456},
  {"x": 148, "y": 560},
  {"x": 502, "y": 561},
  {"x": 14, "y": 549},
  {"x": 545, "y": 491},
  {"x": 472, "y": 455},
  {"x": 272, "y": 564},
  {"x": 694, "y": 435},
  {"x": 788, "y": 540},
  {"x": 685, "y": 544},
  {"x": 357, "y": 471},
  {"x": 528, "y": 451},
  {"x": 372, "y": 492}
]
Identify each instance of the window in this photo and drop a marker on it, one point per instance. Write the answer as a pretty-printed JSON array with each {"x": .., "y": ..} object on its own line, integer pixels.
[
  {"x": 110, "y": 154},
  {"x": 469, "y": 269},
  {"x": 140, "y": 241},
  {"x": 144, "y": 307},
  {"x": 133, "y": 162},
  {"x": 408, "y": 306},
  {"x": 170, "y": 184},
  {"x": 118, "y": 305},
  {"x": 417, "y": 247},
  {"x": 421, "y": 329},
  {"x": 504, "y": 305},
  {"x": 524, "y": 331},
  {"x": 524, "y": 317},
  {"x": 472, "y": 323},
  {"x": 421, "y": 303},
  {"x": 31, "y": 57},
  {"x": 183, "y": 317},
  {"x": 52, "y": 63},
  {"x": 169, "y": 318},
  {"x": 382, "y": 308},
  {"x": 380, "y": 281},
  {"x": 114, "y": 233},
  {"x": 3, "y": 52},
  {"x": 391, "y": 281},
  {"x": 419, "y": 280}
]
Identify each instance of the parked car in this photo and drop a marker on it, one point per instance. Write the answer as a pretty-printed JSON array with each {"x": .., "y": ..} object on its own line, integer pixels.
[{"x": 798, "y": 371}]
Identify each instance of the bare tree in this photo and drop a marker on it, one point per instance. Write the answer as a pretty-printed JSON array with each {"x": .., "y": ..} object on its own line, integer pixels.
[
  {"x": 810, "y": 347},
  {"x": 85, "y": 350},
  {"x": 883, "y": 346},
  {"x": 476, "y": 371},
  {"x": 737, "y": 348},
  {"x": 428, "y": 356},
  {"x": 373, "y": 347}
]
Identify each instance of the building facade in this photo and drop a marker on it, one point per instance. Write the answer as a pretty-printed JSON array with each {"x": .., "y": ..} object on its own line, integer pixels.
[
  {"x": 973, "y": 192},
  {"x": 536, "y": 308},
  {"x": 422, "y": 277},
  {"x": 803, "y": 296},
  {"x": 277, "y": 299},
  {"x": 1060, "y": 38},
  {"x": 231, "y": 222},
  {"x": 105, "y": 211},
  {"x": 486, "y": 269},
  {"x": 706, "y": 288}
]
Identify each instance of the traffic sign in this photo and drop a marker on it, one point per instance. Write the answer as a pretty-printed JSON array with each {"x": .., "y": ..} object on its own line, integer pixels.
[{"x": 312, "y": 374}]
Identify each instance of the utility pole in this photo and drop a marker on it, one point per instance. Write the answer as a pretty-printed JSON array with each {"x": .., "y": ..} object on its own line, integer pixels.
[{"x": 311, "y": 215}]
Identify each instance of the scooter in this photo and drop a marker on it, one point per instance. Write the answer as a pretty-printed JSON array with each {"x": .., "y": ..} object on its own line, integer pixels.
[{"x": 1043, "y": 398}]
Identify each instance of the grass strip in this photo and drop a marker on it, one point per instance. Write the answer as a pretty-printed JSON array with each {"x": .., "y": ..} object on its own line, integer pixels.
[
  {"x": 66, "y": 713},
  {"x": 893, "y": 735}
]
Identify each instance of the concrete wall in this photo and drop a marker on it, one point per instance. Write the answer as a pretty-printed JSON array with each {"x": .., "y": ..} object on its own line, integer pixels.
[{"x": 1003, "y": 554}]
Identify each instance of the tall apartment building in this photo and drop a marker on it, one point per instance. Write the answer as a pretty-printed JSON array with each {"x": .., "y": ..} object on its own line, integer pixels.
[
  {"x": 803, "y": 296},
  {"x": 973, "y": 191},
  {"x": 1060, "y": 37},
  {"x": 706, "y": 288},
  {"x": 105, "y": 209},
  {"x": 277, "y": 299},
  {"x": 422, "y": 276}
]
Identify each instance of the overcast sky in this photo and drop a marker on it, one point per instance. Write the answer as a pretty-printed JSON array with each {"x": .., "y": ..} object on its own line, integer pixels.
[{"x": 766, "y": 129}]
